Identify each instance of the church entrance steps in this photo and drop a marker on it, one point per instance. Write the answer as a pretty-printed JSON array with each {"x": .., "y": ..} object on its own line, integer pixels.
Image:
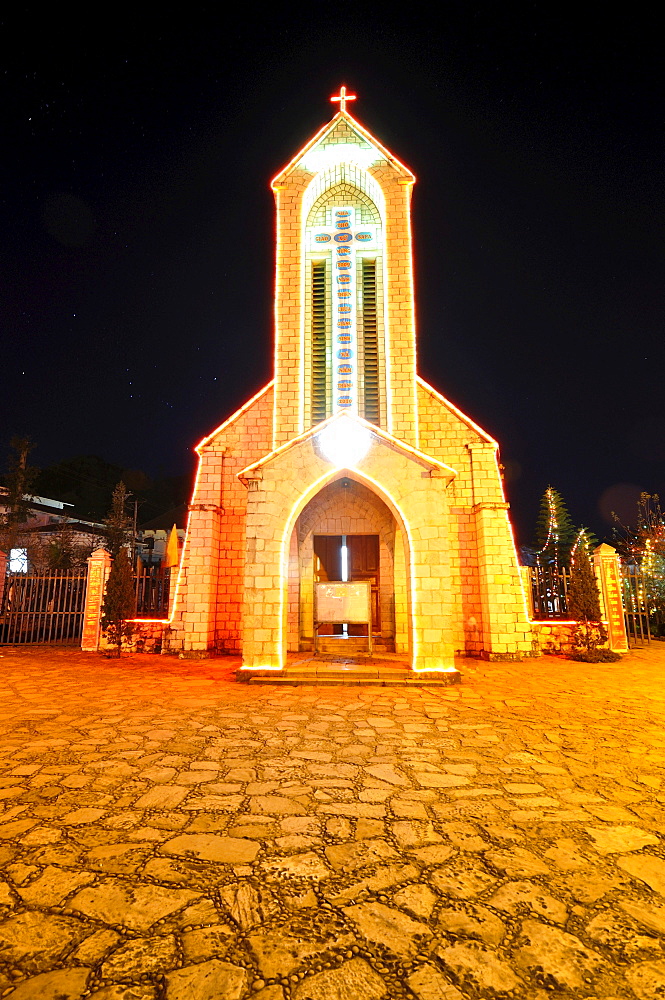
[
  {"x": 325, "y": 670},
  {"x": 342, "y": 646},
  {"x": 352, "y": 645}
]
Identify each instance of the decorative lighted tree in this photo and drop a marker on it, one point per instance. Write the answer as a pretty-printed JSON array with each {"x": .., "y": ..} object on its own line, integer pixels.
[
  {"x": 644, "y": 545},
  {"x": 586, "y": 539},
  {"x": 556, "y": 535},
  {"x": 118, "y": 606},
  {"x": 584, "y": 603},
  {"x": 555, "y": 532}
]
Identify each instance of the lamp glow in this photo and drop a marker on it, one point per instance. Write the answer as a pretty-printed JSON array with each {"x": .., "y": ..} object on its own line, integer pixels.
[
  {"x": 329, "y": 156},
  {"x": 344, "y": 442},
  {"x": 345, "y": 561}
]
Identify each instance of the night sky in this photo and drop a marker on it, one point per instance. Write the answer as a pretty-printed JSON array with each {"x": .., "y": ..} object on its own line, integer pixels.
[{"x": 137, "y": 225}]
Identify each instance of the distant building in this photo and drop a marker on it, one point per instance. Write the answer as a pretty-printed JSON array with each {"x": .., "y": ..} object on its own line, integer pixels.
[{"x": 47, "y": 525}]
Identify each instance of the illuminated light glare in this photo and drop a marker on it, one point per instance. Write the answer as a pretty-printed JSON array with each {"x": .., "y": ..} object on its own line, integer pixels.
[
  {"x": 18, "y": 560},
  {"x": 181, "y": 567},
  {"x": 317, "y": 160},
  {"x": 345, "y": 563},
  {"x": 436, "y": 670},
  {"x": 408, "y": 191},
  {"x": 344, "y": 442},
  {"x": 157, "y": 621},
  {"x": 304, "y": 211},
  {"x": 276, "y": 306},
  {"x": 426, "y": 460},
  {"x": 551, "y": 622},
  {"x": 342, "y": 98},
  {"x": 301, "y": 331},
  {"x": 384, "y": 152},
  {"x": 261, "y": 668},
  {"x": 386, "y": 307},
  {"x": 382, "y": 491}
]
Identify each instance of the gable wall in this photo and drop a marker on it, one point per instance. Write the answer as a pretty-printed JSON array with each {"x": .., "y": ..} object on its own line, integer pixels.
[
  {"x": 444, "y": 435},
  {"x": 210, "y": 607},
  {"x": 246, "y": 440}
]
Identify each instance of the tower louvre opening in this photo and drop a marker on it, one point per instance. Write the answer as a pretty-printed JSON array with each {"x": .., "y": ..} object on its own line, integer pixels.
[
  {"x": 319, "y": 343},
  {"x": 370, "y": 342}
]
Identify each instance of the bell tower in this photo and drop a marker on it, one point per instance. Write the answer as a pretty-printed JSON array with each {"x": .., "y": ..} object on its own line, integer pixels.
[
  {"x": 348, "y": 449},
  {"x": 344, "y": 316}
]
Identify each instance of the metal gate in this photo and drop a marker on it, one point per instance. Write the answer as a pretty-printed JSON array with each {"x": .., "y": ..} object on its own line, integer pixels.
[
  {"x": 36, "y": 608},
  {"x": 152, "y": 587},
  {"x": 549, "y": 591},
  {"x": 636, "y": 607}
]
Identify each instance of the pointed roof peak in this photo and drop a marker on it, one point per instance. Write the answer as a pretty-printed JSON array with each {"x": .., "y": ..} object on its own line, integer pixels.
[{"x": 342, "y": 139}]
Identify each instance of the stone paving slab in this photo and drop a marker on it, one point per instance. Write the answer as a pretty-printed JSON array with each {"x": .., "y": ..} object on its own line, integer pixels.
[{"x": 167, "y": 833}]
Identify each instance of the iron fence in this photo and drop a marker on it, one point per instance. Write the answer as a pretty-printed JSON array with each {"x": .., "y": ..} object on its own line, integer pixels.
[
  {"x": 644, "y": 615},
  {"x": 549, "y": 591},
  {"x": 42, "y": 608},
  {"x": 642, "y": 604},
  {"x": 152, "y": 587}
]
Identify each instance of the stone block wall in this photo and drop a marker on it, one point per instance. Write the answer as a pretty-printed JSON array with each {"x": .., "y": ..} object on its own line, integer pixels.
[
  {"x": 290, "y": 260},
  {"x": 555, "y": 637},
  {"x": 283, "y": 486},
  {"x": 209, "y": 594},
  {"x": 150, "y": 636},
  {"x": 402, "y": 403},
  {"x": 490, "y": 616}
]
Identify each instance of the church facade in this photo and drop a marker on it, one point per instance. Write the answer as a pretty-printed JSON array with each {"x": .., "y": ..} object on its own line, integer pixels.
[{"x": 348, "y": 466}]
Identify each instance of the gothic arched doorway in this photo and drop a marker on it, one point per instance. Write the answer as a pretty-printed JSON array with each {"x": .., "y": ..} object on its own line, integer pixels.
[{"x": 346, "y": 531}]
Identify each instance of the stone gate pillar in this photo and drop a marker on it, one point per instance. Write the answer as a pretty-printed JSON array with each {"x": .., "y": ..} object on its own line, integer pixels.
[
  {"x": 3, "y": 570},
  {"x": 99, "y": 567},
  {"x": 607, "y": 565}
]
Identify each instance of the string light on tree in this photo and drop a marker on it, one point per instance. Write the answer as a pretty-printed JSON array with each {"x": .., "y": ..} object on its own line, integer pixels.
[{"x": 584, "y": 540}]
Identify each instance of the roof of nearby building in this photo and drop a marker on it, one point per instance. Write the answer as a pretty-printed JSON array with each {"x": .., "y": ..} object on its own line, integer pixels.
[{"x": 176, "y": 515}]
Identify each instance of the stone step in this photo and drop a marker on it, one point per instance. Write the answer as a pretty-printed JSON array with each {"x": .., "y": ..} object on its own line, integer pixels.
[
  {"x": 334, "y": 646},
  {"x": 327, "y": 674},
  {"x": 337, "y": 645}
]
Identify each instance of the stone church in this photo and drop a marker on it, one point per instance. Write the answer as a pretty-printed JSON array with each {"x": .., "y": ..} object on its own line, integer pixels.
[{"x": 347, "y": 466}]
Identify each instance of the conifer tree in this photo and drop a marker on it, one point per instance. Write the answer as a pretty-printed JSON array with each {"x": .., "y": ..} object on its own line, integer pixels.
[
  {"x": 555, "y": 532},
  {"x": 118, "y": 524},
  {"x": 19, "y": 482},
  {"x": 119, "y": 602},
  {"x": 584, "y": 603},
  {"x": 586, "y": 538}
]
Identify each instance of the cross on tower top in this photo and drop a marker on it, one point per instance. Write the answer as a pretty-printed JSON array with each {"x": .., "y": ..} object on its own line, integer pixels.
[{"x": 343, "y": 97}]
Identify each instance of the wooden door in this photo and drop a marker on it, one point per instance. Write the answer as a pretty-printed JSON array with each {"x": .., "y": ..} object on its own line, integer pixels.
[
  {"x": 328, "y": 550},
  {"x": 328, "y": 567},
  {"x": 364, "y": 565}
]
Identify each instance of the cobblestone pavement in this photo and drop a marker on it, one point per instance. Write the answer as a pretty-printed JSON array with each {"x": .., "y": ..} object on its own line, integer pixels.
[{"x": 169, "y": 834}]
